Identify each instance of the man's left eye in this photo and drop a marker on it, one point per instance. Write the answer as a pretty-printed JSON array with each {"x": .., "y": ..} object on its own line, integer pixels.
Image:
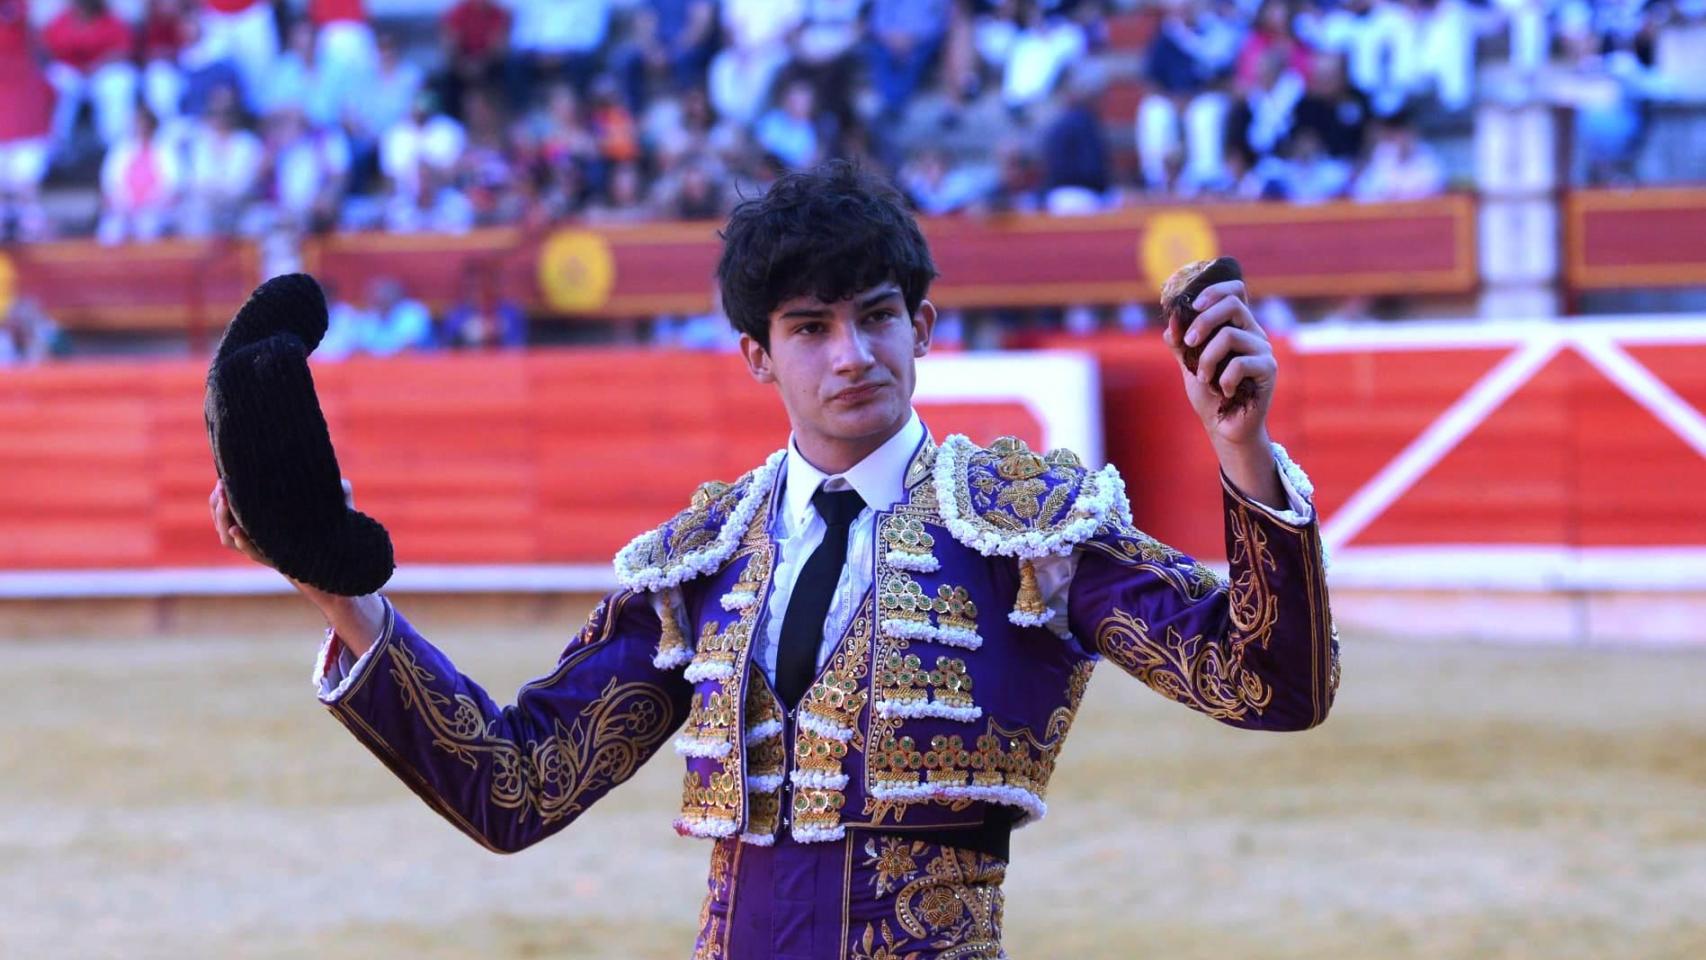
[{"x": 881, "y": 316}]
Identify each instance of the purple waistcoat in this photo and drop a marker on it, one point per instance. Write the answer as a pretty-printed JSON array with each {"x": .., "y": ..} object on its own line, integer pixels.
[{"x": 948, "y": 696}]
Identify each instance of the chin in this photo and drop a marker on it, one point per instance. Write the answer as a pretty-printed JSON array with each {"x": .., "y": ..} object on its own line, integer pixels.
[{"x": 867, "y": 420}]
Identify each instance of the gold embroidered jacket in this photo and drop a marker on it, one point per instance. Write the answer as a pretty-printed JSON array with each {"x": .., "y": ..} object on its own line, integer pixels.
[{"x": 947, "y": 692}]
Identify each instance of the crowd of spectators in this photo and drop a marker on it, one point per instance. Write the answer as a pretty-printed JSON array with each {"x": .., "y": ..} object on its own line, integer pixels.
[
  {"x": 218, "y": 116},
  {"x": 265, "y": 117}
]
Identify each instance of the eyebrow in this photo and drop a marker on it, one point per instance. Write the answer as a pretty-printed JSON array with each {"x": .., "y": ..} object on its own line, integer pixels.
[{"x": 865, "y": 303}]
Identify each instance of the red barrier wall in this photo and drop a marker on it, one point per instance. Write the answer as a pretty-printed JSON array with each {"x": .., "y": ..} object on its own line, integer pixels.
[{"x": 1458, "y": 437}]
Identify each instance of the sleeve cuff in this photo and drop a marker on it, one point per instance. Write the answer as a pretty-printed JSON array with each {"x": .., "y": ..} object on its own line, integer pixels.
[
  {"x": 336, "y": 669},
  {"x": 1299, "y": 492}
]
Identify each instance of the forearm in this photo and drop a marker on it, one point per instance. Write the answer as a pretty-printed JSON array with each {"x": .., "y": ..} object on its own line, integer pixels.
[
  {"x": 356, "y": 620},
  {"x": 1250, "y": 467}
]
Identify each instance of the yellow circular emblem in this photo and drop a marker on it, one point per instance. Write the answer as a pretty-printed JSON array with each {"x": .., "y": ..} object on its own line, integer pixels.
[
  {"x": 576, "y": 271},
  {"x": 8, "y": 283},
  {"x": 1172, "y": 239}
]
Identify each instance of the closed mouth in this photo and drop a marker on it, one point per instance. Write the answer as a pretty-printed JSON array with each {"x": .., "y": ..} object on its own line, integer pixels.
[{"x": 856, "y": 394}]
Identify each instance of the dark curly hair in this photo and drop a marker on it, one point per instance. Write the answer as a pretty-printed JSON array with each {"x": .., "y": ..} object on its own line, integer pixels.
[{"x": 830, "y": 233}]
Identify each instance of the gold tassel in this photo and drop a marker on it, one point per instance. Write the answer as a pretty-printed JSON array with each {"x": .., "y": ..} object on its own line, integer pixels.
[
  {"x": 1030, "y": 602},
  {"x": 670, "y": 639}
]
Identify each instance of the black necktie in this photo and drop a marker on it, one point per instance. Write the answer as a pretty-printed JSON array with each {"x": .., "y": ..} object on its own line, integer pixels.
[{"x": 802, "y": 625}]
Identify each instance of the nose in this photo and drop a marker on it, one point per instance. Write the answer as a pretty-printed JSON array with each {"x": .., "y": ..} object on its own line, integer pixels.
[{"x": 852, "y": 350}]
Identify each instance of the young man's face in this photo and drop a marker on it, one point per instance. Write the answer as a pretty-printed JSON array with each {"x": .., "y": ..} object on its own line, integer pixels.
[{"x": 845, "y": 370}]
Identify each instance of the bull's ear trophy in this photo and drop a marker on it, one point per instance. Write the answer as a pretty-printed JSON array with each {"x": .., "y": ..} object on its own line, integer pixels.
[
  {"x": 273, "y": 452},
  {"x": 1177, "y": 295}
]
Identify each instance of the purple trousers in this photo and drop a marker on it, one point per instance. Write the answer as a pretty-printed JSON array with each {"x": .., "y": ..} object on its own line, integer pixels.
[{"x": 864, "y": 897}]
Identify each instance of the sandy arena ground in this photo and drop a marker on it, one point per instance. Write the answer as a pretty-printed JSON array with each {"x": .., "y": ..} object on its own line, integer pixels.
[{"x": 185, "y": 797}]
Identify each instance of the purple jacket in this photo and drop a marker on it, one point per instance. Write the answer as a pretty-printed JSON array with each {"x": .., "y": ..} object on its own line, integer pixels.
[{"x": 948, "y": 692}]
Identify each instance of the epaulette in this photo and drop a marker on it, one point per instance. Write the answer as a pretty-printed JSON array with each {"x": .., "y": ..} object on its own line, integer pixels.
[
  {"x": 699, "y": 539},
  {"x": 1005, "y": 500}
]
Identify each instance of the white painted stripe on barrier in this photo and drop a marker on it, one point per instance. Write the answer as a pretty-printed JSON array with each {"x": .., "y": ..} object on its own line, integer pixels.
[
  {"x": 1441, "y": 567},
  {"x": 255, "y": 581},
  {"x": 1647, "y": 390},
  {"x": 1480, "y": 566},
  {"x": 1469, "y": 334},
  {"x": 1440, "y": 438}
]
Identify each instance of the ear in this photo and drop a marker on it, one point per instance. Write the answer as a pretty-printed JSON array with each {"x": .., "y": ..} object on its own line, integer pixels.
[
  {"x": 757, "y": 359},
  {"x": 923, "y": 327}
]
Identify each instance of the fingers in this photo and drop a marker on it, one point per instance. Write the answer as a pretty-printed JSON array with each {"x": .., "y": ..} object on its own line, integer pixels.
[
  {"x": 1244, "y": 368},
  {"x": 1227, "y": 342},
  {"x": 1216, "y": 292},
  {"x": 1222, "y": 311}
]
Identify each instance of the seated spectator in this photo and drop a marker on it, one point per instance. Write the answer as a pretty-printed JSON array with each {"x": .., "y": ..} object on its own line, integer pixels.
[
  {"x": 1041, "y": 50},
  {"x": 688, "y": 31},
  {"x": 296, "y": 81},
  {"x": 624, "y": 200},
  {"x": 906, "y": 37},
  {"x": 388, "y": 94},
  {"x": 1303, "y": 172},
  {"x": 1400, "y": 167},
  {"x": 553, "y": 41},
  {"x": 223, "y": 170},
  {"x": 790, "y": 131},
  {"x": 1181, "y": 126},
  {"x": 242, "y": 33},
  {"x": 1075, "y": 153},
  {"x": 474, "y": 40},
  {"x": 1261, "y": 116},
  {"x": 140, "y": 177},
  {"x": 89, "y": 50},
  {"x": 205, "y": 69},
  {"x": 309, "y": 171},
  {"x": 1272, "y": 32},
  {"x": 395, "y": 322},
  {"x": 761, "y": 24},
  {"x": 488, "y": 172},
  {"x": 419, "y": 157},
  {"x": 482, "y": 318},
  {"x": 568, "y": 150},
  {"x": 826, "y": 54},
  {"x": 344, "y": 43},
  {"x": 612, "y": 125},
  {"x": 26, "y": 123},
  {"x": 28, "y": 336},
  {"x": 936, "y": 186},
  {"x": 1445, "y": 51},
  {"x": 740, "y": 80},
  {"x": 161, "y": 37},
  {"x": 675, "y": 126},
  {"x": 692, "y": 189},
  {"x": 1379, "y": 39},
  {"x": 345, "y": 325},
  {"x": 1330, "y": 109}
]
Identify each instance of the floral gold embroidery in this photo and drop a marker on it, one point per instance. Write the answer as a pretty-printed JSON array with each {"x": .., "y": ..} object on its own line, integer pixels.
[
  {"x": 600, "y": 747},
  {"x": 1203, "y": 676},
  {"x": 951, "y": 908}
]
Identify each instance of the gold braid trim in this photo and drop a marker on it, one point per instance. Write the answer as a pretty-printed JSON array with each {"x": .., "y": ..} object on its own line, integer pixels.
[{"x": 600, "y": 747}]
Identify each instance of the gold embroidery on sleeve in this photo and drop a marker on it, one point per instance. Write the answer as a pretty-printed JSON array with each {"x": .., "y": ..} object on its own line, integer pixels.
[{"x": 600, "y": 747}]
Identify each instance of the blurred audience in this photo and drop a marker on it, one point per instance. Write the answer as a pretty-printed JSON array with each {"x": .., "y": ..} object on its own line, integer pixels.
[
  {"x": 26, "y": 127},
  {"x": 140, "y": 179},
  {"x": 89, "y": 60},
  {"x": 29, "y": 336},
  {"x": 534, "y": 112}
]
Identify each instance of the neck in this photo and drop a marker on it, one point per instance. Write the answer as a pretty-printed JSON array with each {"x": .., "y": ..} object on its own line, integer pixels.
[{"x": 833, "y": 455}]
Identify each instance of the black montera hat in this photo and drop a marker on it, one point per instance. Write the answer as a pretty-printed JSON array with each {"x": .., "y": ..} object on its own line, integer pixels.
[{"x": 273, "y": 452}]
